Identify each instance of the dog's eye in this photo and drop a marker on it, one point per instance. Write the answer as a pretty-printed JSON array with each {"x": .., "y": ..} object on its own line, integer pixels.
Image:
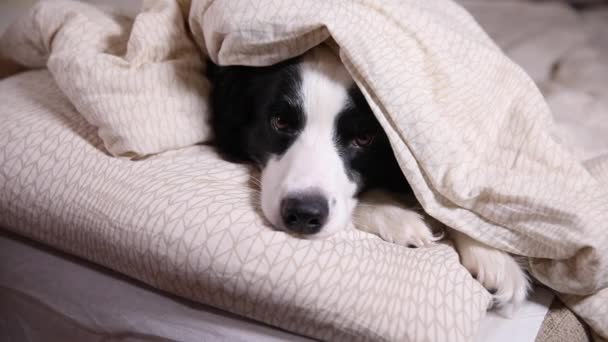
[
  {"x": 364, "y": 140},
  {"x": 281, "y": 123}
]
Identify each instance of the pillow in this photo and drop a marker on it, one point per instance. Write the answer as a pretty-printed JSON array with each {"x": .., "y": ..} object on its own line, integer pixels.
[{"x": 184, "y": 222}]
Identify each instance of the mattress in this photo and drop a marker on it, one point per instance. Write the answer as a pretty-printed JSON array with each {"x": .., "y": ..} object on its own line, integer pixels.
[{"x": 48, "y": 295}]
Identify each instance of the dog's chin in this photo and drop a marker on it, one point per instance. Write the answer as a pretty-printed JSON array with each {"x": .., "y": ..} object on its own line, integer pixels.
[{"x": 325, "y": 233}]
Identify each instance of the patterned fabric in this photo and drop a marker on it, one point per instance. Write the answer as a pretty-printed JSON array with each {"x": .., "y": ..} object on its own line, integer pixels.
[
  {"x": 185, "y": 222},
  {"x": 149, "y": 95},
  {"x": 469, "y": 128}
]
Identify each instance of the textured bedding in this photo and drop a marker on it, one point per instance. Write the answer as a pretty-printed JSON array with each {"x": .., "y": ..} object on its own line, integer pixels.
[
  {"x": 77, "y": 298},
  {"x": 46, "y": 296},
  {"x": 185, "y": 221}
]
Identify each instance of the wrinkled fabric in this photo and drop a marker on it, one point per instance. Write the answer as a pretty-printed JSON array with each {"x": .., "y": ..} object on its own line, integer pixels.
[{"x": 470, "y": 129}]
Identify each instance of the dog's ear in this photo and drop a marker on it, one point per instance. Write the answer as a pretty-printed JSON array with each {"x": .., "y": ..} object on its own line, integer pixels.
[
  {"x": 232, "y": 109},
  {"x": 240, "y": 96}
]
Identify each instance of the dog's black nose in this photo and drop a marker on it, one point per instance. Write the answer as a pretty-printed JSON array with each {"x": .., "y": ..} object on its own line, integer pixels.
[{"x": 304, "y": 213}]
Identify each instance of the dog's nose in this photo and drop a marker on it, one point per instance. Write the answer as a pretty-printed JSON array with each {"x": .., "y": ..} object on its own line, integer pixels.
[{"x": 304, "y": 213}]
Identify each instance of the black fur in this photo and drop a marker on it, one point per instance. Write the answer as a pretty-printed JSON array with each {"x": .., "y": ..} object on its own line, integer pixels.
[
  {"x": 374, "y": 165},
  {"x": 244, "y": 99}
]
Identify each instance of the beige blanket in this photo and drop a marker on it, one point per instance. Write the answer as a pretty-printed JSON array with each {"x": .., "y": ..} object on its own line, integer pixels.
[{"x": 470, "y": 129}]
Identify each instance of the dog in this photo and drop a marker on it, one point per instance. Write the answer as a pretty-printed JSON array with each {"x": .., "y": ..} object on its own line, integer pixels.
[{"x": 325, "y": 161}]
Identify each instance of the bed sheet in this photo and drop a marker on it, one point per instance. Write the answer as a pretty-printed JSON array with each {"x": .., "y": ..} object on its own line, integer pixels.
[{"x": 79, "y": 299}]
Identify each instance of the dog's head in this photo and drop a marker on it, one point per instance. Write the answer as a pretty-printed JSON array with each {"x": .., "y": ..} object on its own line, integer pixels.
[{"x": 308, "y": 127}]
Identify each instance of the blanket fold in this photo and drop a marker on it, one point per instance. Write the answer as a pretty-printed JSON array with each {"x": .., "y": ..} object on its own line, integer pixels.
[
  {"x": 149, "y": 95},
  {"x": 469, "y": 128}
]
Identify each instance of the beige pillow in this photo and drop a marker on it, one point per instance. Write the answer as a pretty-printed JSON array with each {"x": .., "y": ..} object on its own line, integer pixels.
[{"x": 185, "y": 222}]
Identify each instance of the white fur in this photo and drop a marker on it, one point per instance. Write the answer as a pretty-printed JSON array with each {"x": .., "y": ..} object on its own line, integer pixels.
[
  {"x": 384, "y": 215},
  {"x": 312, "y": 162},
  {"x": 495, "y": 270}
]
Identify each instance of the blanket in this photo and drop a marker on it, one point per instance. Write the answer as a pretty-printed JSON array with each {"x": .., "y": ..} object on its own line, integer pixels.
[{"x": 468, "y": 127}]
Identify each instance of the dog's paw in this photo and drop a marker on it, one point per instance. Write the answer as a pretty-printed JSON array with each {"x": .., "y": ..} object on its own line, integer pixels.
[
  {"x": 402, "y": 226},
  {"x": 496, "y": 270},
  {"x": 393, "y": 222}
]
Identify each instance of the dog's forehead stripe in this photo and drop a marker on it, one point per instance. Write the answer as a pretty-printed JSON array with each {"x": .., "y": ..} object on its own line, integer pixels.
[{"x": 324, "y": 88}]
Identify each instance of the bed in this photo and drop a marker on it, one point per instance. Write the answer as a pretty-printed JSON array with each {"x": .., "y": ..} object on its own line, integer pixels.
[
  {"x": 48, "y": 293},
  {"x": 121, "y": 308}
]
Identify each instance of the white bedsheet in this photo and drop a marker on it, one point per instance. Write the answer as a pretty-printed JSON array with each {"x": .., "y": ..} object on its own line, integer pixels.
[{"x": 106, "y": 304}]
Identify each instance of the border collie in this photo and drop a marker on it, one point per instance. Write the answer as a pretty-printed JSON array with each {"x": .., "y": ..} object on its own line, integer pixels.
[{"x": 326, "y": 162}]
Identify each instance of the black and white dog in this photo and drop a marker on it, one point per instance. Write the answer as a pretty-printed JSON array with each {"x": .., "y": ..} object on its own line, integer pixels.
[{"x": 321, "y": 151}]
